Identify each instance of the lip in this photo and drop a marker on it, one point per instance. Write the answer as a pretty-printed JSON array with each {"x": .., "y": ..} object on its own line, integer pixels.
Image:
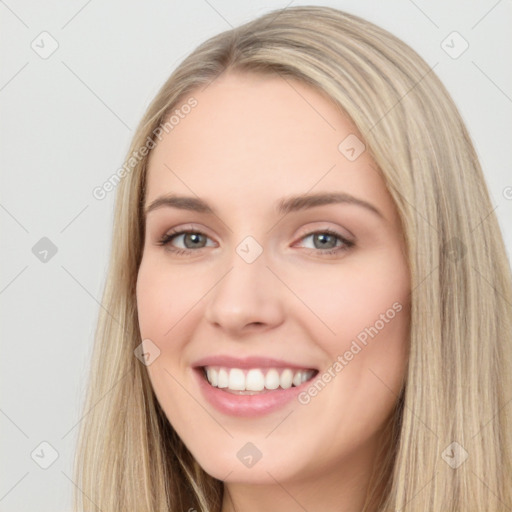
[
  {"x": 249, "y": 362},
  {"x": 246, "y": 405}
]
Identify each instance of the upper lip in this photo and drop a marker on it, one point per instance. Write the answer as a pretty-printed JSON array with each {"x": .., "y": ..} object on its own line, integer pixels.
[{"x": 248, "y": 362}]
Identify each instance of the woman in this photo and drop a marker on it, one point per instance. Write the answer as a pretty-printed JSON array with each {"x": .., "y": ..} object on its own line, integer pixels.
[{"x": 308, "y": 301}]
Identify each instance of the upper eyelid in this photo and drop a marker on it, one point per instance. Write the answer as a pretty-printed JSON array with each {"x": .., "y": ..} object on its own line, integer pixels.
[
  {"x": 191, "y": 226},
  {"x": 185, "y": 228}
]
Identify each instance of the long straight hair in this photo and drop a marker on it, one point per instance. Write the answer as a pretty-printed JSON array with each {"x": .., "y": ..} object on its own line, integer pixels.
[{"x": 452, "y": 449}]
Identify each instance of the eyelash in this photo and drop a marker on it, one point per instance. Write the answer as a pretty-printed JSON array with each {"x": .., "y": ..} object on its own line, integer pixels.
[{"x": 168, "y": 237}]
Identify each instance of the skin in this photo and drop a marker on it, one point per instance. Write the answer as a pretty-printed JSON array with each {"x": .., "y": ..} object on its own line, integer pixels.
[{"x": 251, "y": 141}]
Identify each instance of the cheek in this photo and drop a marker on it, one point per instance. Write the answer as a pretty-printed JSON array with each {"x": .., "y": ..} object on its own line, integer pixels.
[
  {"x": 347, "y": 299},
  {"x": 168, "y": 308},
  {"x": 361, "y": 321},
  {"x": 165, "y": 295}
]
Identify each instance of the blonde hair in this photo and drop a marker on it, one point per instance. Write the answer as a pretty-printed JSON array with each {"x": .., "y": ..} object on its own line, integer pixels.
[{"x": 459, "y": 373}]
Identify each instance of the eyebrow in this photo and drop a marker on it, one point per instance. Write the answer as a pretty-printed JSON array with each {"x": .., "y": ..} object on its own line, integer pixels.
[{"x": 284, "y": 206}]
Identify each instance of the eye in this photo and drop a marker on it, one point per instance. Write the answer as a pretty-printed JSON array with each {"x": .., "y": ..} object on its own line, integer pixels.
[
  {"x": 327, "y": 241},
  {"x": 324, "y": 241},
  {"x": 192, "y": 240}
]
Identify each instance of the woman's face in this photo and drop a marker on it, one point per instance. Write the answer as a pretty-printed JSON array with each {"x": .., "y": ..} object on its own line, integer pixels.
[{"x": 266, "y": 290}]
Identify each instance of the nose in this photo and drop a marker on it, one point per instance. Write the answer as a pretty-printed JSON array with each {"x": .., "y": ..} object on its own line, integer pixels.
[{"x": 246, "y": 298}]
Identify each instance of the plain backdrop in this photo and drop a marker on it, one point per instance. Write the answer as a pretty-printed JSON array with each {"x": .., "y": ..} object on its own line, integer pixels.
[{"x": 66, "y": 121}]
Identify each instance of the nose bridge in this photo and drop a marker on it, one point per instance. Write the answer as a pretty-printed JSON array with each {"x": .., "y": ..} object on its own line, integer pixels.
[{"x": 248, "y": 292}]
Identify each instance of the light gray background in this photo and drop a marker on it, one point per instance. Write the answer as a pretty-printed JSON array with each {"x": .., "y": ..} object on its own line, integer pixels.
[{"x": 66, "y": 123}]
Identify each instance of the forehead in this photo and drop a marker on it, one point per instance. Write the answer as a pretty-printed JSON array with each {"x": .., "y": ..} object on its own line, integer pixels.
[{"x": 253, "y": 139}]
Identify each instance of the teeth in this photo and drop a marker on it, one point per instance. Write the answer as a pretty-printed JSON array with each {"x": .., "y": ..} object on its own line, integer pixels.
[
  {"x": 272, "y": 379},
  {"x": 236, "y": 379},
  {"x": 255, "y": 379},
  {"x": 223, "y": 379},
  {"x": 286, "y": 379},
  {"x": 213, "y": 377}
]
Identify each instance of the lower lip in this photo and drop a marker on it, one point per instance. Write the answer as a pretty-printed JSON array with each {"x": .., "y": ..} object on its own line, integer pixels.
[{"x": 246, "y": 405}]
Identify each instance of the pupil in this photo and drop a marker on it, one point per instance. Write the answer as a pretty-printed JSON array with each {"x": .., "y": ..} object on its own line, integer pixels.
[
  {"x": 325, "y": 237},
  {"x": 196, "y": 237}
]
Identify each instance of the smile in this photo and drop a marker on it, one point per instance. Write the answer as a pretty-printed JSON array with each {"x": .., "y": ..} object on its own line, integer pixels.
[
  {"x": 250, "y": 386},
  {"x": 255, "y": 380}
]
